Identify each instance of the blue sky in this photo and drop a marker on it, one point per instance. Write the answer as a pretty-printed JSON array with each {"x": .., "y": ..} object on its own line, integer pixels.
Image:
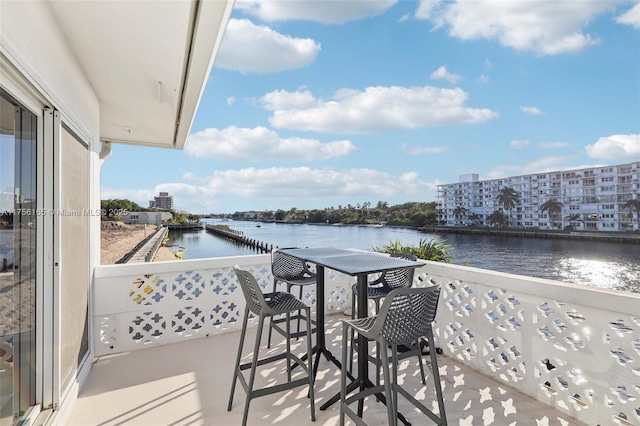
[{"x": 313, "y": 104}]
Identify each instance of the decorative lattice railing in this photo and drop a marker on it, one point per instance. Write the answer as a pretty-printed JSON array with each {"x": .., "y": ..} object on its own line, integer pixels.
[
  {"x": 138, "y": 305},
  {"x": 572, "y": 347}
]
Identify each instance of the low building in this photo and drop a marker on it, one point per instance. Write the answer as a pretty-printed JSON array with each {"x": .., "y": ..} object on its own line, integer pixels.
[
  {"x": 151, "y": 218},
  {"x": 587, "y": 199}
]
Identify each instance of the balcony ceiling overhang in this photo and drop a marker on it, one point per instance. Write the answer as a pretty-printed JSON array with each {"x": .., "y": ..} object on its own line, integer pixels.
[{"x": 148, "y": 62}]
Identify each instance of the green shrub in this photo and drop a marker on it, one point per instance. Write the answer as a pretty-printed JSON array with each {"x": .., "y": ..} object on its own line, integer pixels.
[{"x": 434, "y": 249}]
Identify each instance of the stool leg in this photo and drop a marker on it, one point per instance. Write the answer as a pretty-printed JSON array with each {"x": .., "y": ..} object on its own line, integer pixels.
[
  {"x": 310, "y": 363},
  {"x": 353, "y": 333},
  {"x": 275, "y": 287},
  {"x": 254, "y": 367},
  {"x": 288, "y": 328},
  {"x": 391, "y": 411},
  {"x": 394, "y": 381},
  {"x": 378, "y": 349},
  {"x": 421, "y": 363},
  {"x": 343, "y": 373},
  {"x": 236, "y": 370},
  {"x": 436, "y": 377},
  {"x": 299, "y": 314},
  {"x": 378, "y": 362}
]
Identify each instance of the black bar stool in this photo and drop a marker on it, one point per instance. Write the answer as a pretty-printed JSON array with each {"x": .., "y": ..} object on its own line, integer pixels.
[
  {"x": 292, "y": 271},
  {"x": 406, "y": 315},
  {"x": 267, "y": 306}
]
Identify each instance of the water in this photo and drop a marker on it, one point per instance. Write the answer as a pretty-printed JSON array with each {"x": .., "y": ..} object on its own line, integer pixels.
[{"x": 600, "y": 264}]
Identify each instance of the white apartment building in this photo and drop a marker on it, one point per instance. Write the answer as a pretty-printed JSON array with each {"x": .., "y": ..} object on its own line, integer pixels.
[{"x": 592, "y": 199}]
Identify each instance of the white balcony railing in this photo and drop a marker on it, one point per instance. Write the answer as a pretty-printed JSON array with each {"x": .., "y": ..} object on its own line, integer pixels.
[{"x": 572, "y": 347}]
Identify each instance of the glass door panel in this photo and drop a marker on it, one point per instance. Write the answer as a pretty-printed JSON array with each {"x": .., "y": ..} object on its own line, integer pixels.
[{"x": 18, "y": 230}]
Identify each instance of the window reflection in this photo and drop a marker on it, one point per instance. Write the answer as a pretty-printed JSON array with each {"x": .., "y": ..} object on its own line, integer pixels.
[{"x": 18, "y": 259}]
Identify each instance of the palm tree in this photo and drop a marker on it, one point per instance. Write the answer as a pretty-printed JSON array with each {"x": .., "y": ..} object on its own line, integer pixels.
[
  {"x": 497, "y": 218},
  {"x": 553, "y": 206},
  {"x": 508, "y": 197},
  {"x": 474, "y": 218},
  {"x": 573, "y": 218},
  {"x": 458, "y": 213},
  {"x": 633, "y": 204}
]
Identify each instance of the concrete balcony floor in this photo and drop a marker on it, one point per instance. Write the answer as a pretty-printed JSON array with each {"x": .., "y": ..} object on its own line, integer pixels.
[{"x": 188, "y": 384}]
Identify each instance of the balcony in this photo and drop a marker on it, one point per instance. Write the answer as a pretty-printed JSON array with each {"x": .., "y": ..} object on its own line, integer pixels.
[{"x": 515, "y": 349}]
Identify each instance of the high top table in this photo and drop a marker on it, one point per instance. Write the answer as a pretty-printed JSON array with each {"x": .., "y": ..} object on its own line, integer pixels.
[{"x": 353, "y": 263}]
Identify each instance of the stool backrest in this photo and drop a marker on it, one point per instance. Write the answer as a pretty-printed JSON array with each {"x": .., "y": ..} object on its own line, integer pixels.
[
  {"x": 285, "y": 267},
  {"x": 251, "y": 290},
  {"x": 407, "y": 314},
  {"x": 398, "y": 278}
]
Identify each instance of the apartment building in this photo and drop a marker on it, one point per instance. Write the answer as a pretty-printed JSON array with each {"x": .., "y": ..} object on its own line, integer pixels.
[
  {"x": 162, "y": 201},
  {"x": 589, "y": 199}
]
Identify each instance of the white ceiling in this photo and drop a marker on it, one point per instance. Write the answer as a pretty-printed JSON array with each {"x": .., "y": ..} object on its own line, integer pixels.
[{"x": 148, "y": 62}]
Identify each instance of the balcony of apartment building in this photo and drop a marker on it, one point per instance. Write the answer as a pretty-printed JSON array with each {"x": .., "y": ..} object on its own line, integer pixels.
[{"x": 516, "y": 350}]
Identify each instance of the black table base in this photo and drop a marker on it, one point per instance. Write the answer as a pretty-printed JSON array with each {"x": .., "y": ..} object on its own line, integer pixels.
[{"x": 353, "y": 263}]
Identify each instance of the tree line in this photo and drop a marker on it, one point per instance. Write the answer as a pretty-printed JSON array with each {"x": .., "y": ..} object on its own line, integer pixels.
[{"x": 406, "y": 214}]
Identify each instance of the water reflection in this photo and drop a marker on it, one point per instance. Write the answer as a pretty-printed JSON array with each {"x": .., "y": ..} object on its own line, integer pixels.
[{"x": 595, "y": 263}]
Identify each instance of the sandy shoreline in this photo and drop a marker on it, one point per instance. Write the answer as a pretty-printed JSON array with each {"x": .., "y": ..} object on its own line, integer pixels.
[{"x": 117, "y": 239}]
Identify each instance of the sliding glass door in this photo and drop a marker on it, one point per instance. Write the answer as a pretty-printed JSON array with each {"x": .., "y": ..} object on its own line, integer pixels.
[{"x": 18, "y": 232}]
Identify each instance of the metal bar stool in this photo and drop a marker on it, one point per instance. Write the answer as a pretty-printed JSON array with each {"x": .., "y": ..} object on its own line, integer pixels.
[
  {"x": 406, "y": 315},
  {"x": 292, "y": 271},
  {"x": 267, "y": 306},
  {"x": 377, "y": 290}
]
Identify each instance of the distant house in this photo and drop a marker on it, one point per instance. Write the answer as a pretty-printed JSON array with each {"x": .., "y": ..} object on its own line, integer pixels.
[
  {"x": 249, "y": 215},
  {"x": 151, "y": 218}
]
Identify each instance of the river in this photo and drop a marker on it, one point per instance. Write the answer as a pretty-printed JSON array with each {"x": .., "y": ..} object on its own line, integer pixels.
[{"x": 600, "y": 264}]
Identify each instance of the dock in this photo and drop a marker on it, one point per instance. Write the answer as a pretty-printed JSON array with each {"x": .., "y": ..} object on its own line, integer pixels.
[
  {"x": 239, "y": 237},
  {"x": 196, "y": 226},
  {"x": 146, "y": 249}
]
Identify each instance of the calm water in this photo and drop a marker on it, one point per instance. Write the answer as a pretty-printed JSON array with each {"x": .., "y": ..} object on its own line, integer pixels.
[{"x": 601, "y": 264}]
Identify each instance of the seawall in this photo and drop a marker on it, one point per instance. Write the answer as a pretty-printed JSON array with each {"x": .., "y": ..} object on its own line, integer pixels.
[{"x": 573, "y": 235}]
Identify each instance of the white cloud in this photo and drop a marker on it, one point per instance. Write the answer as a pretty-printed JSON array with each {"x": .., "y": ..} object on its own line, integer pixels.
[
  {"x": 421, "y": 150},
  {"x": 548, "y": 163},
  {"x": 518, "y": 144},
  {"x": 376, "y": 109},
  {"x": 616, "y": 148},
  {"x": 231, "y": 100},
  {"x": 189, "y": 176},
  {"x": 259, "y": 144},
  {"x": 483, "y": 79},
  {"x": 337, "y": 12},
  {"x": 553, "y": 145},
  {"x": 530, "y": 110},
  {"x": 542, "y": 27},
  {"x": 282, "y": 187},
  {"x": 487, "y": 64},
  {"x": 283, "y": 100},
  {"x": 631, "y": 17},
  {"x": 404, "y": 17},
  {"x": 443, "y": 74},
  {"x": 250, "y": 48}
]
